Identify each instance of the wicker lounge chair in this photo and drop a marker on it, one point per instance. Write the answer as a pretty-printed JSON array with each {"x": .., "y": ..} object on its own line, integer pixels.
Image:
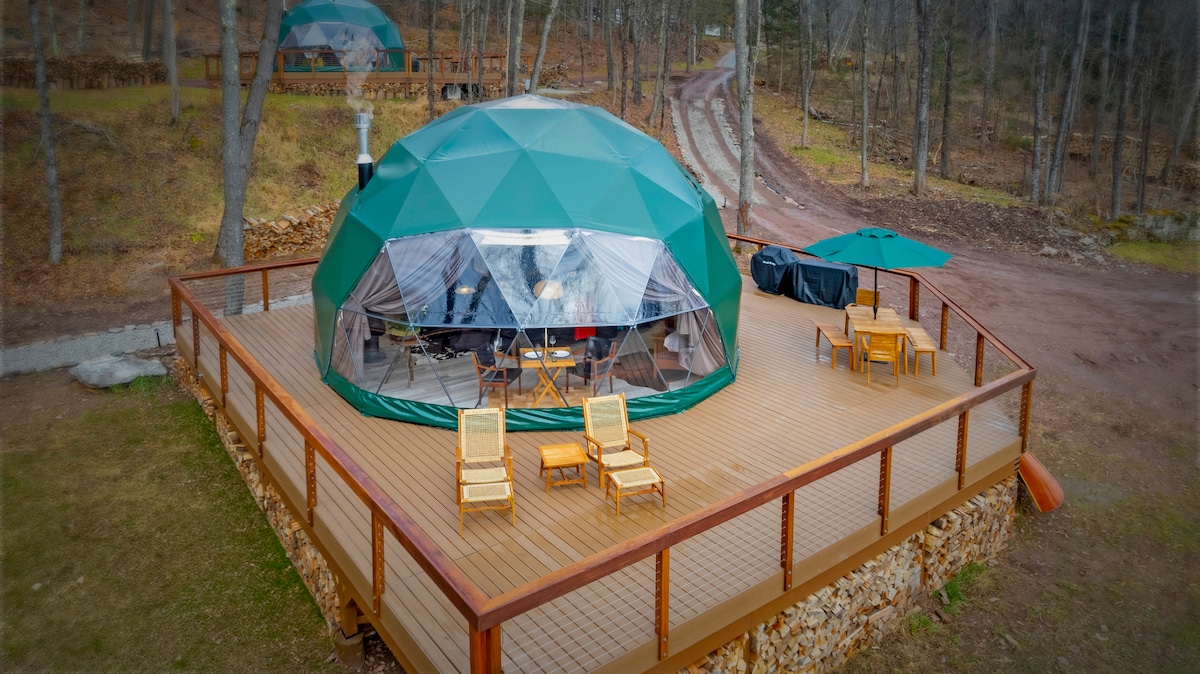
[
  {"x": 481, "y": 442},
  {"x": 607, "y": 432}
]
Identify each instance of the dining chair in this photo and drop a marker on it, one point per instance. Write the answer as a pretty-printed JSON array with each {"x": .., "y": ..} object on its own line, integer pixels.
[{"x": 881, "y": 347}]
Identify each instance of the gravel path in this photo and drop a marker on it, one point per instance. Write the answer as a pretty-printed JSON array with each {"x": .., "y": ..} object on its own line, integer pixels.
[{"x": 71, "y": 350}]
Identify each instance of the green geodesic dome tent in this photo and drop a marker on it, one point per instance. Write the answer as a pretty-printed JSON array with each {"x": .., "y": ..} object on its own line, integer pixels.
[
  {"x": 526, "y": 252},
  {"x": 337, "y": 34}
]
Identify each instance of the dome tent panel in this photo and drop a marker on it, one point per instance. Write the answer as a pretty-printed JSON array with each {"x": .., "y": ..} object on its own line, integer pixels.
[
  {"x": 557, "y": 195},
  {"x": 444, "y": 281},
  {"x": 355, "y": 12}
]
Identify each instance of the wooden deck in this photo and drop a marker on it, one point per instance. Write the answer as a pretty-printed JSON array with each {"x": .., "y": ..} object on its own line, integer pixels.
[{"x": 787, "y": 407}]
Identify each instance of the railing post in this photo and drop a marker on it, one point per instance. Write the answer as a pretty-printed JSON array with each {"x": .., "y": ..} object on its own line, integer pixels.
[
  {"x": 485, "y": 651},
  {"x": 785, "y": 538},
  {"x": 979, "y": 358},
  {"x": 176, "y": 308},
  {"x": 195, "y": 347},
  {"x": 266, "y": 292},
  {"x": 945, "y": 325},
  {"x": 662, "y": 599},
  {"x": 377, "y": 562},
  {"x": 914, "y": 299},
  {"x": 960, "y": 454},
  {"x": 260, "y": 417},
  {"x": 310, "y": 479},
  {"x": 224, "y": 373},
  {"x": 1026, "y": 410},
  {"x": 885, "y": 488}
]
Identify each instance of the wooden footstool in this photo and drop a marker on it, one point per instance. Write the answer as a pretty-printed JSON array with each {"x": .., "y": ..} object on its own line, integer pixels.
[
  {"x": 639, "y": 480},
  {"x": 561, "y": 457},
  {"x": 473, "y": 494}
]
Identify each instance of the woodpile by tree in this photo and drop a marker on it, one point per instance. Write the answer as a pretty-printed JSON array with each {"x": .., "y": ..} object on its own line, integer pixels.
[
  {"x": 289, "y": 235},
  {"x": 83, "y": 71}
]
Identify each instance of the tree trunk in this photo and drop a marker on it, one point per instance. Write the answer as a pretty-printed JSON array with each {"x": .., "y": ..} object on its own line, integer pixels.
[
  {"x": 1102, "y": 104},
  {"x": 829, "y": 32},
  {"x": 516, "y": 21},
  {"x": 1147, "y": 113},
  {"x": 130, "y": 12},
  {"x": 663, "y": 75},
  {"x": 1039, "y": 114},
  {"x": 745, "y": 85},
  {"x": 1066, "y": 115},
  {"x": 944, "y": 167},
  {"x": 808, "y": 71},
  {"x": 989, "y": 70},
  {"x": 924, "y": 75},
  {"x": 147, "y": 29},
  {"x": 626, "y": 38},
  {"x": 430, "y": 98},
  {"x": 53, "y": 16},
  {"x": 610, "y": 61},
  {"x": 53, "y": 198},
  {"x": 1123, "y": 107},
  {"x": 637, "y": 32},
  {"x": 79, "y": 27},
  {"x": 541, "y": 52},
  {"x": 240, "y": 130},
  {"x": 864, "y": 178},
  {"x": 170, "y": 57}
]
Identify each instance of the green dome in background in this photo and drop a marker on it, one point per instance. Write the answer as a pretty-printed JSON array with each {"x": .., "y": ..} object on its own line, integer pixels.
[
  {"x": 336, "y": 24},
  {"x": 530, "y": 164}
]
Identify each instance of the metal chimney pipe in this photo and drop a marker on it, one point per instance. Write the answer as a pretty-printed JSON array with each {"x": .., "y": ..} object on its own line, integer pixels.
[{"x": 366, "y": 165}]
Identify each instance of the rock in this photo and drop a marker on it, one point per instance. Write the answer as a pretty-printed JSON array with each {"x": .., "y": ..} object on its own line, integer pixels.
[
  {"x": 1048, "y": 251},
  {"x": 1063, "y": 661},
  {"x": 1088, "y": 241},
  {"x": 113, "y": 370}
]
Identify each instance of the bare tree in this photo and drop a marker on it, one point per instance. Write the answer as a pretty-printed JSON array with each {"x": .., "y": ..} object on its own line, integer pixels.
[
  {"x": 1039, "y": 114},
  {"x": 79, "y": 27},
  {"x": 989, "y": 70},
  {"x": 1066, "y": 115},
  {"x": 147, "y": 29},
  {"x": 53, "y": 16},
  {"x": 1123, "y": 106},
  {"x": 745, "y": 85},
  {"x": 1188, "y": 109},
  {"x": 663, "y": 73},
  {"x": 637, "y": 32},
  {"x": 626, "y": 10},
  {"x": 240, "y": 127},
  {"x": 170, "y": 57},
  {"x": 924, "y": 75},
  {"x": 944, "y": 161},
  {"x": 864, "y": 178},
  {"x": 130, "y": 12},
  {"x": 516, "y": 22},
  {"x": 1101, "y": 108},
  {"x": 431, "y": 17},
  {"x": 54, "y": 199},
  {"x": 541, "y": 52},
  {"x": 806, "y": 87},
  {"x": 606, "y": 27}
]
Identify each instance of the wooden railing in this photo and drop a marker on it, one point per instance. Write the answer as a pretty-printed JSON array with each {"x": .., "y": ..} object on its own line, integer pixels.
[
  {"x": 400, "y": 63},
  {"x": 485, "y": 615}
]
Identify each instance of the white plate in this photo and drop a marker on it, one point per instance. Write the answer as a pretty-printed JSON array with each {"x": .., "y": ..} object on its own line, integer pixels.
[
  {"x": 533, "y": 354},
  {"x": 560, "y": 354}
]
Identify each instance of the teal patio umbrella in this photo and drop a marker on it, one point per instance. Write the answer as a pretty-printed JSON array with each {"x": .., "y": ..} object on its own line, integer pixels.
[{"x": 879, "y": 249}]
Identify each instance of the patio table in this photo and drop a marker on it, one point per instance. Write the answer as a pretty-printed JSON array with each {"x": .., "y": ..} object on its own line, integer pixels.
[
  {"x": 864, "y": 322},
  {"x": 548, "y": 364}
]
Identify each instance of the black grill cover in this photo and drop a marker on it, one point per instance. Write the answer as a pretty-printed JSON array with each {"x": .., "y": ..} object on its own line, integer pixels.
[
  {"x": 829, "y": 284},
  {"x": 771, "y": 269}
]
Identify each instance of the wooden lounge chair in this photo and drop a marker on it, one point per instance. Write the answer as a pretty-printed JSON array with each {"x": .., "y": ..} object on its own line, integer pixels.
[
  {"x": 882, "y": 347},
  {"x": 481, "y": 442},
  {"x": 607, "y": 431},
  {"x": 922, "y": 343}
]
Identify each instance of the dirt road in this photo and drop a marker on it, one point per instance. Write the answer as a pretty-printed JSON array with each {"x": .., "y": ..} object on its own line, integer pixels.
[{"x": 1115, "y": 415}]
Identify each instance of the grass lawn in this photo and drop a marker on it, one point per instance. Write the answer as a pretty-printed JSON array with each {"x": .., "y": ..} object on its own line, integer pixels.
[{"x": 130, "y": 541}]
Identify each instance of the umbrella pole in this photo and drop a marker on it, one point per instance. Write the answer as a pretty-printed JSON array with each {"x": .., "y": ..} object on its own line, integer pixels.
[{"x": 876, "y": 307}]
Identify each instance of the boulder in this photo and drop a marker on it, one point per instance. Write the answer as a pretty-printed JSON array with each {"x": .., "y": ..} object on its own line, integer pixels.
[{"x": 110, "y": 371}]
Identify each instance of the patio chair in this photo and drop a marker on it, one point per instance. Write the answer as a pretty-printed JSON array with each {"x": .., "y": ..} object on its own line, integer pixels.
[
  {"x": 599, "y": 356},
  {"x": 607, "y": 432},
  {"x": 491, "y": 375},
  {"x": 866, "y": 297},
  {"x": 481, "y": 442},
  {"x": 882, "y": 347}
]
